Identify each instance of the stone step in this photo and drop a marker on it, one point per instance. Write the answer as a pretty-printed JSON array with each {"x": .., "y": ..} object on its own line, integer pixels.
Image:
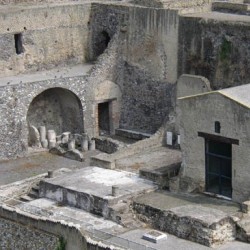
[
  {"x": 26, "y": 198},
  {"x": 161, "y": 175},
  {"x": 243, "y": 229},
  {"x": 132, "y": 134},
  {"x": 33, "y": 194}
]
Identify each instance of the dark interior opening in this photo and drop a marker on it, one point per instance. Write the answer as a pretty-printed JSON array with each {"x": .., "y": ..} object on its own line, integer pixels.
[
  {"x": 58, "y": 109},
  {"x": 102, "y": 43},
  {"x": 103, "y": 118},
  {"x": 19, "y": 43},
  {"x": 219, "y": 168}
]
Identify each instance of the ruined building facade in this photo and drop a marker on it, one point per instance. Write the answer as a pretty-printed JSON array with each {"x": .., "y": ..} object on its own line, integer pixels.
[{"x": 99, "y": 66}]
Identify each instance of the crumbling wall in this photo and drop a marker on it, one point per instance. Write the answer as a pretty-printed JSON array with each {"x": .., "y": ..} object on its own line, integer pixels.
[
  {"x": 216, "y": 49},
  {"x": 51, "y": 35}
]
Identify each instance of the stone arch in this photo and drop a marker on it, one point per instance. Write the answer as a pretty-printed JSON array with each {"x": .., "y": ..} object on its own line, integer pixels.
[{"x": 56, "y": 108}]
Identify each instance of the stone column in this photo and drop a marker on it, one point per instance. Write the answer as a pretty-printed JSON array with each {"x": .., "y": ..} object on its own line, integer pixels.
[
  {"x": 84, "y": 142},
  {"x": 42, "y": 131}
]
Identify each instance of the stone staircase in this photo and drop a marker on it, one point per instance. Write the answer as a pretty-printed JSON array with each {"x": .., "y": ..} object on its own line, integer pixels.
[
  {"x": 122, "y": 213},
  {"x": 32, "y": 194}
]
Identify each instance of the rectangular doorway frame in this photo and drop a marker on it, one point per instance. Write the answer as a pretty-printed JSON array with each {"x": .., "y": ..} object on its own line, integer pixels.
[
  {"x": 218, "y": 164},
  {"x": 112, "y": 106}
]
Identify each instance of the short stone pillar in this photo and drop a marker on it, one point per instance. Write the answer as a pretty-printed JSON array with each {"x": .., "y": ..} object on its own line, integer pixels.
[
  {"x": 44, "y": 143},
  {"x": 71, "y": 144},
  {"x": 92, "y": 145},
  {"x": 59, "y": 139},
  {"x": 42, "y": 131},
  {"x": 50, "y": 174},
  {"x": 115, "y": 190},
  {"x": 245, "y": 207},
  {"x": 65, "y": 137},
  {"x": 51, "y": 135},
  {"x": 84, "y": 144}
]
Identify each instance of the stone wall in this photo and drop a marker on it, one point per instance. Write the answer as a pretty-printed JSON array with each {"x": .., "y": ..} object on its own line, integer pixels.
[
  {"x": 150, "y": 61},
  {"x": 15, "y": 101},
  {"x": 172, "y": 3},
  {"x": 51, "y": 35},
  {"x": 147, "y": 102},
  {"x": 76, "y": 238},
  {"x": 215, "y": 49},
  {"x": 16, "y": 236}
]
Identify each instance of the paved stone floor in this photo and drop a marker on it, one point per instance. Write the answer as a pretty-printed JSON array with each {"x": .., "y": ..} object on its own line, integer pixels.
[
  {"x": 37, "y": 163},
  {"x": 165, "y": 200},
  {"x": 150, "y": 159}
]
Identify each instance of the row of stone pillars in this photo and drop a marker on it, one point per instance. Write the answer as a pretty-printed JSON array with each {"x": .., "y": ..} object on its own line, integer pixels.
[{"x": 49, "y": 139}]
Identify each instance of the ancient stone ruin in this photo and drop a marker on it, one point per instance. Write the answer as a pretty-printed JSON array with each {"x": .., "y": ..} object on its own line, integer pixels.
[{"x": 124, "y": 124}]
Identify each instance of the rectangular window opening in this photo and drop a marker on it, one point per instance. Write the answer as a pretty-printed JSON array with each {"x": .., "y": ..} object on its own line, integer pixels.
[{"x": 19, "y": 43}]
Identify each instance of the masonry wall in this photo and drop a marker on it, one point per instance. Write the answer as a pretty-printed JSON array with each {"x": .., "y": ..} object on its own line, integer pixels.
[
  {"x": 198, "y": 114},
  {"x": 16, "y": 236},
  {"x": 76, "y": 238},
  {"x": 216, "y": 49},
  {"x": 150, "y": 68},
  {"x": 52, "y": 35},
  {"x": 14, "y": 104}
]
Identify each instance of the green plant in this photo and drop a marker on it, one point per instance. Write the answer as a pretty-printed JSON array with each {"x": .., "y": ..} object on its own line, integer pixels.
[{"x": 61, "y": 244}]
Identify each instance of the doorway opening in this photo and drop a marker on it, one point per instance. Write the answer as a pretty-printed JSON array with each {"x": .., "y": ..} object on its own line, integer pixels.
[
  {"x": 104, "y": 118},
  {"x": 218, "y": 167}
]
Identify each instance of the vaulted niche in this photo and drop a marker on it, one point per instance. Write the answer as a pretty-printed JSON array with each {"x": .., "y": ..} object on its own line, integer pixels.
[
  {"x": 100, "y": 43},
  {"x": 58, "y": 109}
]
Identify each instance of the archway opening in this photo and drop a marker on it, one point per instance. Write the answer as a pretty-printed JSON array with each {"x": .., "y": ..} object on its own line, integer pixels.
[{"x": 57, "y": 109}]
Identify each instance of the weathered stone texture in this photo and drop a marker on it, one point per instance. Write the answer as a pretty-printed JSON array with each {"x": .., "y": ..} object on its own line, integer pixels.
[
  {"x": 48, "y": 41},
  {"x": 15, "y": 103},
  {"x": 216, "y": 50},
  {"x": 200, "y": 224},
  {"x": 146, "y": 101},
  {"x": 198, "y": 114},
  {"x": 16, "y": 236}
]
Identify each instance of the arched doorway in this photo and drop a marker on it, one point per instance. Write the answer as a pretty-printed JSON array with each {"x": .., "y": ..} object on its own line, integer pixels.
[{"x": 58, "y": 109}]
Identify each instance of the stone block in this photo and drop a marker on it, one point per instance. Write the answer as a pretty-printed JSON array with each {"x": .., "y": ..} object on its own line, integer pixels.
[
  {"x": 74, "y": 154},
  {"x": 245, "y": 207}
]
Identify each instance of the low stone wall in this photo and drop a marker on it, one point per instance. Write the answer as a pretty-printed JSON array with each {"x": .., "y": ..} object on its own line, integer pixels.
[
  {"x": 108, "y": 145},
  {"x": 209, "y": 227},
  {"x": 227, "y": 7},
  {"x": 75, "y": 237}
]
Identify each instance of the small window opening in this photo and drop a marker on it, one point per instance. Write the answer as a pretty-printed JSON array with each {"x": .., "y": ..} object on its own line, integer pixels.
[
  {"x": 217, "y": 127},
  {"x": 19, "y": 43}
]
